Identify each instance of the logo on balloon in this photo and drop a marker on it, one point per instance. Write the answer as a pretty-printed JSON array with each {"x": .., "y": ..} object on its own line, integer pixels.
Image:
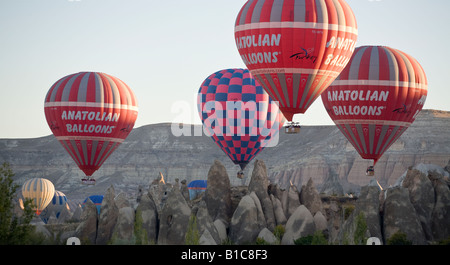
[
  {"x": 402, "y": 110},
  {"x": 304, "y": 55}
]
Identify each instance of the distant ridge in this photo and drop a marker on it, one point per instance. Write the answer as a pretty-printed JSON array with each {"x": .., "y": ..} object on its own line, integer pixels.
[{"x": 318, "y": 152}]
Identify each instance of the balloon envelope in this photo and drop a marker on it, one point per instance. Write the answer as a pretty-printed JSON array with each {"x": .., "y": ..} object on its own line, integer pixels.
[
  {"x": 238, "y": 115},
  {"x": 56, "y": 205},
  {"x": 295, "y": 48},
  {"x": 97, "y": 200},
  {"x": 376, "y": 98},
  {"x": 40, "y": 191},
  {"x": 90, "y": 114},
  {"x": 196, "y": 187}
]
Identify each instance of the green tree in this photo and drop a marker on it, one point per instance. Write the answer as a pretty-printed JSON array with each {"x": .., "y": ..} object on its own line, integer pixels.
[
  {"x": 399, "y": 238},
  {"x": 13, "y": 230},
  {"x": 278, "y": 232},
  {"x": 317, "y": 239},
  {"x": 192, "y": 235},
  {"x": 360, "y": 231},
  {"x": 139, "y": 232}
]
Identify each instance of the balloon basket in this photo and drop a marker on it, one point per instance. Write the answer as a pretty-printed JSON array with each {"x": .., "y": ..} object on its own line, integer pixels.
[
  {"x": 370, "y": 172},
  {"x": 88, "y": 181},
  {"x": 292, "y": 128},
  {"x": 240, "y": 174}
]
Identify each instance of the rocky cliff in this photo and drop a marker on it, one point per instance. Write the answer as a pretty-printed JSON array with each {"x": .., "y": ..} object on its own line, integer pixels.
[
  {"x": 417, "y": 209},
  {"x": 318, "y": 152}
]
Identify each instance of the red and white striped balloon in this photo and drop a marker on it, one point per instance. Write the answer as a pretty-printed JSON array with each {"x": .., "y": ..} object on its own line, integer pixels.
[
  {"x": 90, "y": 114},
  {"x": 376, "y": 98},
  {"x": 295, "y": 48}
]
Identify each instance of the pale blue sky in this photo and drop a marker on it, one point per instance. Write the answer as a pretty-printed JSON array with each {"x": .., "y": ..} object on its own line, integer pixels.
[{"x": 165, "y": 49}]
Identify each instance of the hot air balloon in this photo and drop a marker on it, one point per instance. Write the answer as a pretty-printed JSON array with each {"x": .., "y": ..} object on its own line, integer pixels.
[
  {"x": 56, "y": 205},
  {"x": 376, "y": 98},
  {"x": 90, "y": 114},
  {"x": 295, "y": 48},
  {"x": 96, "y": 199},
  {"x": 196, "y": 187},
  {"x": 238, "y": 115},
  {"x": 40, "y": 191}
]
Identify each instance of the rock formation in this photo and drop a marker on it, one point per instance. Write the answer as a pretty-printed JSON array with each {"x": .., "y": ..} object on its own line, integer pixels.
[
  {"x": 87, "y": 229},
  {"x": 299, "y": 224},
  {"x": 247, "y": 221},
  {"x": 174, "y": 219},
  {"x": 147, "y": 215},
  {"x": 418, "y": 205},
  {"x": 367, "y": 211},
  {"x": 218, "y": 193},
  {"x": 268, "y": 236},
  {"x": 400, "y": 216},
  {"x": 206, "y": 225},
  {"x": 290, "y": 201},
  {"x": 309, "y": 196},
  {"x": 280, "y": 217},
  {"x": 440, "y": 217},
  {"x": 259, "y": 183},
  {"x": 421, "y": 195},
  {"x": 123, "y": 232},
  {"x": 108, "y": 217}
]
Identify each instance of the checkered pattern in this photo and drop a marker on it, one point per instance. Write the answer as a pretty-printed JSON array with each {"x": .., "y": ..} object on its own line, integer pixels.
[{"x": 238, "y": 114}]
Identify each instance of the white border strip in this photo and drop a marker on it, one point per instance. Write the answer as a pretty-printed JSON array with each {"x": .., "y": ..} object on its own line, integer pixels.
[
  {"x": 376, "y": 122},
  {"x": 294, "y": 71},
  {"x": 87, "y": 138},
  {"x": 90, "y": 105},
  {"x": 378, "y": 83},
  {"x": 299, "y": 25}
]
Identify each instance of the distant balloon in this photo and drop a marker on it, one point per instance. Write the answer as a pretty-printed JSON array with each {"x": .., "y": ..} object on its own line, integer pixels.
[
  {"x": 40, "y": 191},
  {"x": 295, "y": 48},
  {"x": 238, "y": 115},
  {"x": 90, "y": 114},
  {"x": 196, "y": 187},
  {"x": 96, "y": 199},
  {"x": 56, "y": 205},
  {"x": 376, "y": 98}
]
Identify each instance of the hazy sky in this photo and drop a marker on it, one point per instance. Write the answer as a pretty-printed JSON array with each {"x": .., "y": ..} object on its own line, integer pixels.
[{"x": 165, "y": 49}]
